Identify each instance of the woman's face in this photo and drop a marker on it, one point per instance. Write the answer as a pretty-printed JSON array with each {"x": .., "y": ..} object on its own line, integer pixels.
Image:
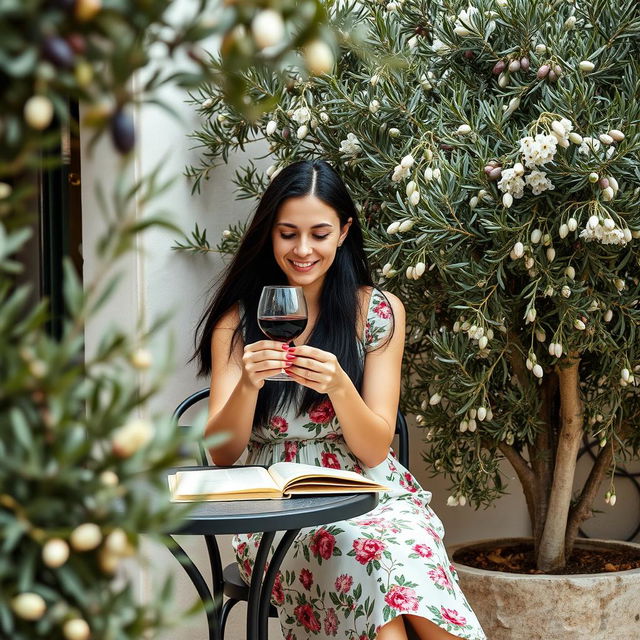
[{"x": 305, "y": 238}]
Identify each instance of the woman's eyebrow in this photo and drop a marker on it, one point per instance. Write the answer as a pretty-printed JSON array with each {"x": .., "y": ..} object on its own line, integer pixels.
[{"x": 315, "y": 226}]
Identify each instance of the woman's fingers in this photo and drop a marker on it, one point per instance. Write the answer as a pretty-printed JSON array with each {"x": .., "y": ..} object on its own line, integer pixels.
[{"x": 266, "y": 345}]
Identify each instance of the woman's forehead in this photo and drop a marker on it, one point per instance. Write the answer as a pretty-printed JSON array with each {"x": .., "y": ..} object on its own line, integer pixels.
[{"x": 307, "y": 211}]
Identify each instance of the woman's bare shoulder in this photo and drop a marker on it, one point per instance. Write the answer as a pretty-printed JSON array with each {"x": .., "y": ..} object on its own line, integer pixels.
[{"x": 230, "y": 319}]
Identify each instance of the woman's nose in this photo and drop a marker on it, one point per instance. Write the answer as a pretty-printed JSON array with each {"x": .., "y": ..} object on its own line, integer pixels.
[{"x": 302, "y": 249}]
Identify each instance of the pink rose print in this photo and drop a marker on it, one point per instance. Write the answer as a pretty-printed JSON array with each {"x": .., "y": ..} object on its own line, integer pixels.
[
  {"x": 289, "y": 636},
  {"x": 306, "y": 617},
  {"x": 408, "y": 483},
  {"x": 382, "y": 310},
  {"x": 290, "y": 451},
  {"x": 368, "y": 522},
  {"x": 367, "y": 333},
  {"x": 402, "y": 598},
  {"x": 242, "y": 547},
  {"x": 277, "y": 593},
  {"x": 322, "y": 413},
  {"x": 432, "y": 532},
  {"x": 439, "y": 576},
  {"x": 423, "y": 550},
  {"x": 452, "y": 616},
  {"x": 279, "y": 424},
  {"x": 368, "y": 549},
  {"x": 246, "y": 565},
  {"x": 357, "y": 469},
  {"x": 322, "y": 544},
  {"x": 330, "y": 460},
  {"x": 343, "y": 583},
  {"x": 306, "y": 578},
  {"x": 331, "y": 622}
]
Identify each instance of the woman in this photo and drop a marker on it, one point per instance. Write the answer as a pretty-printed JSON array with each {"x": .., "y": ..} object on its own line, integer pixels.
[{"x": 363, "y": 577}]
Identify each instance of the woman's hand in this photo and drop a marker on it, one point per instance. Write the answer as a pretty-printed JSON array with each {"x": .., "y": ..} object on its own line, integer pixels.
[
  {"x": 319, "y": 370},
  {"x": 263, "y": 359}
]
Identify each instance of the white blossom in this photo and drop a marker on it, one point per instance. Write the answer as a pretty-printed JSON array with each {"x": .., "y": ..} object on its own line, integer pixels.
[
  {"x": 407, "y": 161},
  {"x": 463, "y": 24},
  {"x": 301, "y": 115},
  {"x": 589, "y": 146},
  {"x": 374, "y": 106},
  {"x": 350, "y": 146},
  {"x": 539, "y": 150},
  {"x": 439, "y": 47},
  {"x": 539, "y": 182},
  {"x": 400, "y": 172},
  {"x": 606, "y": 232},
  {"x": 511, "y": 183}
]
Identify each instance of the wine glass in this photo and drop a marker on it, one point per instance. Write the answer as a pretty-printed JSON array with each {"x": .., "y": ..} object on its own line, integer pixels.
[{"x": 282, "y": 316}]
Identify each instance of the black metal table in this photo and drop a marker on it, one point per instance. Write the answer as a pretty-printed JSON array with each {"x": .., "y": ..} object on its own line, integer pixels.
[{"x": 257, "y": 516}]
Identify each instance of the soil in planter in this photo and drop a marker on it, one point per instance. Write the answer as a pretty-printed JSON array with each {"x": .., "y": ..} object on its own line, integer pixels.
[{"x": 519, "y": 558}]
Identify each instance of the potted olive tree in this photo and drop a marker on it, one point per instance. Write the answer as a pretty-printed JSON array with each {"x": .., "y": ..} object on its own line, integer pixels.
[{"x": 493, "y": 150}]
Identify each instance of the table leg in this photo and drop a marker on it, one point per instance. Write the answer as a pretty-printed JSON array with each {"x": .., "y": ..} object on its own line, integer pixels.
[
  {"x": 208, "y": 599},
  {"x": 260, "y": 588}
]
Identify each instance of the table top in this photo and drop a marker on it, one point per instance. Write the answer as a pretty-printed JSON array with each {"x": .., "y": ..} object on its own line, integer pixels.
[{"x": 248, "y": 516}]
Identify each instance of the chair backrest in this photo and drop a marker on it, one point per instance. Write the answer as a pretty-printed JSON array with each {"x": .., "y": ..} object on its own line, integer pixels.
[{"x": 401, "y": 427}]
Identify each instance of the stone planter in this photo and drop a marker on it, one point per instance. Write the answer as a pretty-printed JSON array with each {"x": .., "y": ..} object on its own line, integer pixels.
[{"x": 511, "y": 606}]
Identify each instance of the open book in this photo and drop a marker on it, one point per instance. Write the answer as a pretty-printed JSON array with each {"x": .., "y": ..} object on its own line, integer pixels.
[{"x": 280, "y": 480}]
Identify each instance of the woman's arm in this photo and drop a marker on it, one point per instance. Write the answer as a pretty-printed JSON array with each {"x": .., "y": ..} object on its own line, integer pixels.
[
  {"x": 367, "y": 420},
  {"x": 236, "y": 380}
]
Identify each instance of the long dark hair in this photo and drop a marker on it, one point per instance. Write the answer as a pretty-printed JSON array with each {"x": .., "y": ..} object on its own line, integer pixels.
[{"x": 254, "y": 266}]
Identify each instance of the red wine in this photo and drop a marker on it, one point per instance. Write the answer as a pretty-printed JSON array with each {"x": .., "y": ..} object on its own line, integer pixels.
[{"x": 284, "y": 328}]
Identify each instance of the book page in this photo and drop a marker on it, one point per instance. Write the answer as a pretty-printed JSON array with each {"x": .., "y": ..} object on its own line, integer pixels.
[
  {"x": 287, "y": 474},
  {"x": 212, "y": 483}
]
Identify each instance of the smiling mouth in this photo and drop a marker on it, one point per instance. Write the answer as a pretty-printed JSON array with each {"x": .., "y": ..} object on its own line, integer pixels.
[{"x": 302, "y": 266}]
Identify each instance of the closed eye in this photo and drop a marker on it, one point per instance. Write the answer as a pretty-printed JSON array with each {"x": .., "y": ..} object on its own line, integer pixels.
[{"x": 289, "y": 236}]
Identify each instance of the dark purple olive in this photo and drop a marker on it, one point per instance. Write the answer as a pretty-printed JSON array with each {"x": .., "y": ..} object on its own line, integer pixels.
[
  {"x": 66, "y": 5},
  {"x": 286, "y": 132},
  {"x": 499, "y": 67},
  {"x": 123, "y": 132},
  {"x": 525, "y": 63},
  {"x": 469, "y": 55},
  {"x": 58, "y": 51},
  {"x": 495, "y": 173},
  {"x": 77, "y": 42}
]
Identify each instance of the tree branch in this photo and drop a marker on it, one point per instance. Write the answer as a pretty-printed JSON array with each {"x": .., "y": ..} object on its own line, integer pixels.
[{"x": 583, "y": 508}]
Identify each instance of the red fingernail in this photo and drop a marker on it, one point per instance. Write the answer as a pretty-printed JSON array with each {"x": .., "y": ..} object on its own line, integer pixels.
[
  {"x": 288, "y": 364},
  {"x": 290, "y": 356},
  {"x": 285, "y": 346}
]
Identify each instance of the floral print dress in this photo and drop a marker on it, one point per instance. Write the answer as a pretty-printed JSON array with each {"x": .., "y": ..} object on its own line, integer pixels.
[{"x": 347, "y": 579}]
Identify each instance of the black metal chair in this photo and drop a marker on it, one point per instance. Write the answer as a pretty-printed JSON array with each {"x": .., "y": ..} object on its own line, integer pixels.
[{"x": 233, "y": 585}]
